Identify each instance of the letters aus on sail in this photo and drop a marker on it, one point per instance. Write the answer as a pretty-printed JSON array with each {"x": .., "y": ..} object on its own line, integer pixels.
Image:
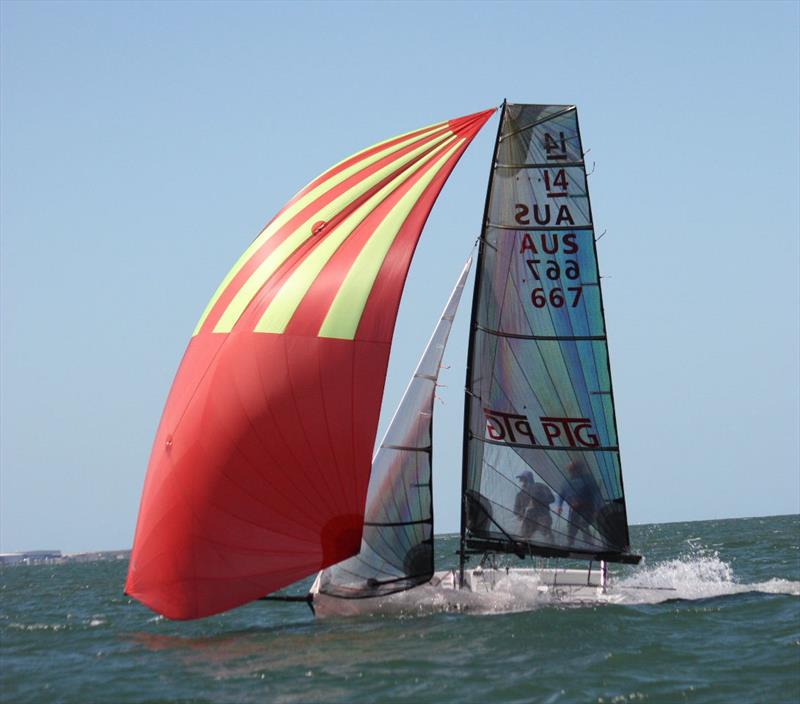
[{"x": 542, "y": 466}]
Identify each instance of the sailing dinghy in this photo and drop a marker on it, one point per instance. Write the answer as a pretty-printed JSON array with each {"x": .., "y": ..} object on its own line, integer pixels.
[{"x": 260, "y": 473}]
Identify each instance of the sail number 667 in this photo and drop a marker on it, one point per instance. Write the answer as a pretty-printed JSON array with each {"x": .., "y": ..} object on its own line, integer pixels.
[{"x": 556, "y": 297}]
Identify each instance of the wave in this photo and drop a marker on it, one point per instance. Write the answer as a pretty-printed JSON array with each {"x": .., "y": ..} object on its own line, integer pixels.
[
  {"x": 689, "y": 578},
  {"x": 694, "y": 577}
]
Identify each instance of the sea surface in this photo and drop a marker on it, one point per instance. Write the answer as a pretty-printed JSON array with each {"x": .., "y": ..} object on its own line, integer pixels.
[{"x": 723, "y": 625}]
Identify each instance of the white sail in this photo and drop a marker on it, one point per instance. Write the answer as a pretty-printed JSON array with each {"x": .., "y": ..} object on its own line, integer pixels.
[{"x": 397, "y": 544}]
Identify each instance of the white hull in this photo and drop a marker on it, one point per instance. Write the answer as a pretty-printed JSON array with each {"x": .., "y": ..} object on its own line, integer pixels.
[{"x": 485, "y": 591}]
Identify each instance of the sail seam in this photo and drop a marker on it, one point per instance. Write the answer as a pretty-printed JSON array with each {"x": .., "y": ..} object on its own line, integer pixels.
[
  {"x": 559, "y": 113},
  {"x": 541, "y": 165},
  {"x": 541, "y": 228},
  {"x": 519, "y": 336},
  {"x": 405, "y": 448},
  {"x": 503, "y": 443}
]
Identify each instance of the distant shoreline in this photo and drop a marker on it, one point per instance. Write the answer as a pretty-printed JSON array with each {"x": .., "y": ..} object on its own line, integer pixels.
[
  {"x": 38, "y": 557},
  {"x": 56, "y": 557}
]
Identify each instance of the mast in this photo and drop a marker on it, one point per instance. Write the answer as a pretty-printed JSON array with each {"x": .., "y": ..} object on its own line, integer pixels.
[{"x": 467, "y": 395}]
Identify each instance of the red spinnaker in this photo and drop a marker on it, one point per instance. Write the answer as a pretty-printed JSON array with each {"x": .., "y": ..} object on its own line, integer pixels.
[{"x": 259, "y": 470}]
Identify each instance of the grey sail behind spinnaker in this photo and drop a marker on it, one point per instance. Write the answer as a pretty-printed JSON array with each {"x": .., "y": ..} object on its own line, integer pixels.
[
  {"x": 397, "y": 544},
  {"x": 542, "y": 468}
]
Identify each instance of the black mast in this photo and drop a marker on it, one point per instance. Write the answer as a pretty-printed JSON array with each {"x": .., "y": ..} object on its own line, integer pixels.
[{"x": 468, "y": 383}]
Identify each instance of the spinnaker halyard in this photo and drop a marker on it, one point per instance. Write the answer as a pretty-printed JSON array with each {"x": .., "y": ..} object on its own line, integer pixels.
[
  {"x": 259, "y": 471},
  {"x": 542, "y": 471}
]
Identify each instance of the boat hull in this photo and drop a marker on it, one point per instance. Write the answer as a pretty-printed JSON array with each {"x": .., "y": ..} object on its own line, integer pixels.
[{"x": 485, "y": 591}]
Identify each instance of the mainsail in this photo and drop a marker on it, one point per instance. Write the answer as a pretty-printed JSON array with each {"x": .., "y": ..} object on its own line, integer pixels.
[
  {"x": 541, "y": 462},
  {"x": 259, "y": 471},
  {"x": 397, "y": 545}
]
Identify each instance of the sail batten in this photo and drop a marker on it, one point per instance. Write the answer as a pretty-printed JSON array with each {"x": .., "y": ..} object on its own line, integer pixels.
[{"x": 541, "y": 464}]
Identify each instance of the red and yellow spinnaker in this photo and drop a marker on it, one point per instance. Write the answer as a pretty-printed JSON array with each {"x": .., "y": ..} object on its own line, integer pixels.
[{"x": 259, "y": 470}]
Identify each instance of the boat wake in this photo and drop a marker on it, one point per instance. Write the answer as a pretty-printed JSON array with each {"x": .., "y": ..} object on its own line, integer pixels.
[
  {"x": 689, "y": 578},
  {"x": 698, "y": 577}
]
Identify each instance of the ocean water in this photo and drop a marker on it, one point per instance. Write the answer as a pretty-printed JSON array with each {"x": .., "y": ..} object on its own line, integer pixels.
[{"x": 714, "y": 617}]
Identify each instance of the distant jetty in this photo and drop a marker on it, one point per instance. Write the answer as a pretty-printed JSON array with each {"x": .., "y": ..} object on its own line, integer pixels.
[{"x": 56, "y": 557}]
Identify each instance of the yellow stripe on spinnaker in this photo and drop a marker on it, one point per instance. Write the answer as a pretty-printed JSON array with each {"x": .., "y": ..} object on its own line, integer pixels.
[
  {"x": 308, "y": 198},
  {"x": 303, "y": 232},
  {"x": 423, "y": 132},
  {"x": 345, "y": 312},
  {"x": 281, "y": 309}
]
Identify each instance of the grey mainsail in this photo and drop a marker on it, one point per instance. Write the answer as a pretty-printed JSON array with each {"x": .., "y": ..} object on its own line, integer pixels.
[{"x": 542, "y": 471}]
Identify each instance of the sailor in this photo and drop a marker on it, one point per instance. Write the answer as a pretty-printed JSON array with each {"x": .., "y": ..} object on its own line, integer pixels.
[
  {"x": 583, "y": 496},
  {"x": 532, "y": 505},
  {"x": 524, "y": 495}
]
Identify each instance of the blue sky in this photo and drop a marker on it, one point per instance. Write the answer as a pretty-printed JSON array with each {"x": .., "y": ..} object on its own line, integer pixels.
[{"x": 143, "y": 145}]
